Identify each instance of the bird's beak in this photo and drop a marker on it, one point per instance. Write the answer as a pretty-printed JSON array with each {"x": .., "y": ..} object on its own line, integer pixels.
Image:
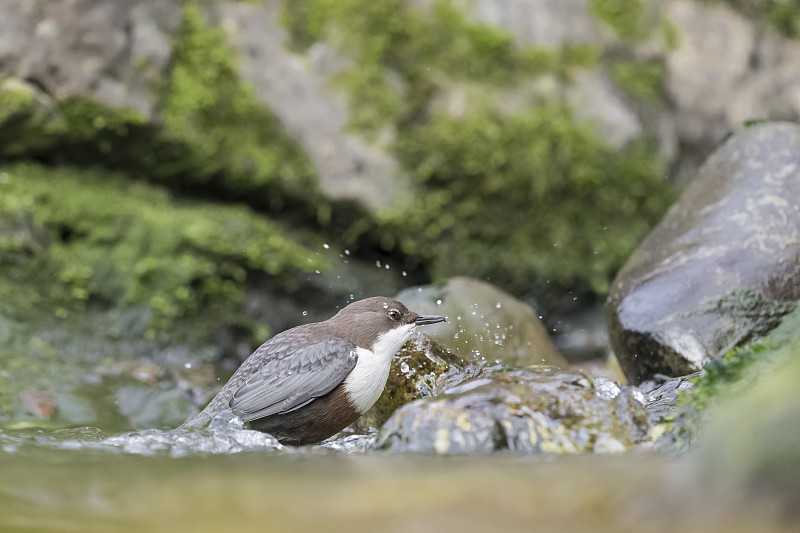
[{"x": 423, "y": 320}]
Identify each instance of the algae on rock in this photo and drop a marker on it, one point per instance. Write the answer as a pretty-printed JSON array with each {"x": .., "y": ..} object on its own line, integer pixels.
[
  {"x": 488, "y": 177},
  {"x": 533, "y": 410},
  {"x": 119, "y": 242}
]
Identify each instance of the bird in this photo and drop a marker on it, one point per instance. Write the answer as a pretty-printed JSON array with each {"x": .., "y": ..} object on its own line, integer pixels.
[{"x": 310, "y": 382}]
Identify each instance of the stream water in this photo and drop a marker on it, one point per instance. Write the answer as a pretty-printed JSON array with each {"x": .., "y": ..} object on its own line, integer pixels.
[{"x": 236, "y": 480}]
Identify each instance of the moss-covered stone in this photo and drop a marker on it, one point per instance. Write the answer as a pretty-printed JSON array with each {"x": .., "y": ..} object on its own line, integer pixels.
[
  {"x": 643, "y": 80},
  {"x": 488, "y": 181},
  {"x": 92, "y": 236},
  {"x": 213, "y": 136},
  {"x": 207, "y": 107},
  {"x": 528, "y": 201},
  {"x": 732, "y": 375},
  {"x": 420, "y": 367},
  {"x": 389, "y": 36},
  {"x": 535, "y": 410},
  {"x": 626, "y": 17}
]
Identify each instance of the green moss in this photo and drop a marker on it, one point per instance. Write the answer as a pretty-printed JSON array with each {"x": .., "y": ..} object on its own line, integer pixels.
[
  {"x": 733, "y": 374},
  {"x": 643, "y": 80},
  {"x": 737, "y": 367},
  {"x": 670, "y": 34},
  {"x": 418, "y": 49},
  {"x": 95, "y": 237},
  {"x": 530, "y": 200},
  {"x": 14, "y": 100},
  {"x": 626, "y": 17},
  {"x": 526, "y": 201},
  {"x": 207, "y": 107},
  {"x": 214, "y": 136},
  {"x": 784, "y": 17}
]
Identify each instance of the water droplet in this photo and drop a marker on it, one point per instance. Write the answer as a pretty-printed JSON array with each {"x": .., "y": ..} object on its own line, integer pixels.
[
  {"x": 305, "y": 313},
  {"x": 498, "y": 305},
  {"x": 378, "y": 264},
  {"x": 438, "y": 302},
  {"x": 316, "y": 271},
  {"x": 405, "y": 273},
  {"x": 386, "y": 266},
  {"x": 404, "y": 367},
  {"x": 187, "y": 365},
  {"x": 347, "y": 252},
  {"x": 326, "y": 245}
]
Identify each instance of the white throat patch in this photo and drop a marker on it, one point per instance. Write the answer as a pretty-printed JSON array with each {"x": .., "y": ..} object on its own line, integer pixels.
[{"x": 365, "y": 383}]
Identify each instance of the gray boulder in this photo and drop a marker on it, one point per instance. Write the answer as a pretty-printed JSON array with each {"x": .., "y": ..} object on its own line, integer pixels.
[{"x": 722, "y": 267}]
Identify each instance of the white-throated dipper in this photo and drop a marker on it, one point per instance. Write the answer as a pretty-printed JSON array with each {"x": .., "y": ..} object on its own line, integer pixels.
[{"x": 312, "y": 381}]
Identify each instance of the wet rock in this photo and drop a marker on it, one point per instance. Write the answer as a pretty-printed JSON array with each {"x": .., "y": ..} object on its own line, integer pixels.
[
  {"x": 420, "y": 368},
  {"x": 661, "y": 398},
  {"x": 484, "y": 323},
  {"x": 721, "y": 268},
  {"x": 535, "y": 410}
]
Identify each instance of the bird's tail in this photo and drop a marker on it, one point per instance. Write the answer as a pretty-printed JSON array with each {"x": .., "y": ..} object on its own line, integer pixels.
[{"x": 198, "y": 420}]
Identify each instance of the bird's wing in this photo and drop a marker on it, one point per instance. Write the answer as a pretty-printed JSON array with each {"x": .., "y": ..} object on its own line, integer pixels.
[{"x": 293, "y": 376}]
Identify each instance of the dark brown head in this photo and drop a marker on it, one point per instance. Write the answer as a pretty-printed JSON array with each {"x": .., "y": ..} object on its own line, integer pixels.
[{"x": 368, "y": 321}]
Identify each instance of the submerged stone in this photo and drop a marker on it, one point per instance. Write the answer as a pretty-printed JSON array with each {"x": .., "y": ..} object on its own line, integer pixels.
[
  {"x": 484, "y": 324},
  {"x": 533, "y": 410},
  {"x": 721, "y": 268}
]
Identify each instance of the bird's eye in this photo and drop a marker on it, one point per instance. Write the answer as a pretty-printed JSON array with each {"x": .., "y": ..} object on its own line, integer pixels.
[{"x": 394, "y": 314}]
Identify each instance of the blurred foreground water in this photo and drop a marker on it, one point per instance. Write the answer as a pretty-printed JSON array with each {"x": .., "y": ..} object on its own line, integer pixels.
[{"x": 90, "y": 491}]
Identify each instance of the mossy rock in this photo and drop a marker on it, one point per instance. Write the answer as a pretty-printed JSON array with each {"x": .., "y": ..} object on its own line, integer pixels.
[
  {"x": 102, "y": 239},
  {"x": 418, "y": 370},
  {"x": 487, "y": 180},
  {"x": 534, "y": 410}
]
